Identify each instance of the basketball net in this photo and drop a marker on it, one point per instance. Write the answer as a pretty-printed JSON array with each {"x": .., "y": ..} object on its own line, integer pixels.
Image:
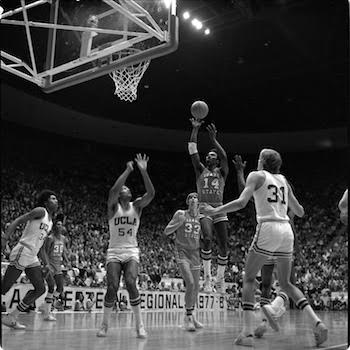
[{"x": 127, "y": 79}]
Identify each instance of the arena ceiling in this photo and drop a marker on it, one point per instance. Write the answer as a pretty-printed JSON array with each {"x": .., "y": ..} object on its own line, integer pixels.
[{"x": 267, "y": 65}]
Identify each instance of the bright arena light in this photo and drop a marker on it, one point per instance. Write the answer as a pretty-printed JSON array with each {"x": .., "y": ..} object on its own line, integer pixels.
[
  {"x": 186, "y": 15},
  {"x": 197, "y": 24},
  {"x": 207, "y": 31},
  {"x": 1, "y": 11}
]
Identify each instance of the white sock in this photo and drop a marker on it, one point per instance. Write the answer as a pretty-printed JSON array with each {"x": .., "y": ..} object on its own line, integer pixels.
[
  {"x": 248, "y": 322},
  {"x": 311, "y": 315},
  {"x": 106, "y": 313},
  {"x": 207, "y": 269},
  {"x": 221, "y": 271},
  {"x": 137, "y": 312}
]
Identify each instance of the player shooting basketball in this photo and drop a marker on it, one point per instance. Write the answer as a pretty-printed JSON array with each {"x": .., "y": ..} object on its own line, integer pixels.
[{"x": 210, "y": 179}]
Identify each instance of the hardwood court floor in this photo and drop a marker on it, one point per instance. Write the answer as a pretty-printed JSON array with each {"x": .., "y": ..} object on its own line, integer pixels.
[{"x": 78, "y": 331}]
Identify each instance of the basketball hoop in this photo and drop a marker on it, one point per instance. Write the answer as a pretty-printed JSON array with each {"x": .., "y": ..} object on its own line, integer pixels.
[{"x": 127, "y": 79}]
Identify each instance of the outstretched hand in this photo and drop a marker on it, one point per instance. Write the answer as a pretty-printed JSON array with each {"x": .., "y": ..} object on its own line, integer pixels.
[
  {"x": 196, "y": 123},
  {"x": 238, "y": 163},
  {"x": 212, "y": 131},
  {"x": 141, "y": 161}
]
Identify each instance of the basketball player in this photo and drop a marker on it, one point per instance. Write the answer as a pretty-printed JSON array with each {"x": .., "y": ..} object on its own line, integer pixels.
[
  {"x": 281, "y": 300},
  {"x": 343, "y": 207},
  {"x": 210, "y": 180},
  {"x": 56, "y": 251},
  {"x": 186, "y": 226},
  {"x": 123, "y": 252},
  {"x": 274, "y": 238},
  {"x": 24, "y": 255}
]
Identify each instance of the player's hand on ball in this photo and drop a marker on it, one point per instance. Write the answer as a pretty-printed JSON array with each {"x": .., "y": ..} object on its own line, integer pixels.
[
  {"x": 130, "y": 165},
  {"x": 212, "y": 130},
  {"x": 196, "y": 123},
  {"x": 238, "y": 163},
  {"x": 141, "y": 161}
]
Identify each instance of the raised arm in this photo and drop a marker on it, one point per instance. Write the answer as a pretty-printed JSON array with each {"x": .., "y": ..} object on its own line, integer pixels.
[
  {"x": 343, "y": 203},
  {"x": 293, "y": 203},
  {"x": 343, "y": 207},
  {"x": 239, "y": 166},
  {"x": 142, "y": 202},
  {"x": 192, "y": 147},
  {"x": 176, "y": 221},
  {"x": 113, "y": 195},
  {"x": 36, "y": 213},
  {"x": 221, "y": 152}
]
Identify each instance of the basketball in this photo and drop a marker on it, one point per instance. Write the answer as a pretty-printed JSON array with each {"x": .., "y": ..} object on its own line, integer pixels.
[{"x": 199, "y": 109}]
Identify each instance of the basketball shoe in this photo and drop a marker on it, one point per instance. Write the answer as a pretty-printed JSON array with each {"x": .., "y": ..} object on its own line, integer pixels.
[
  {"x": 189, "y": 324},
  {"x": 244, "y": 340},
  {"x": 49, "y": 317},
  {"x": 141, "y": 332},
  {"x": 270, "y": 314},
  {"x": 207, "y": 285},
  {"x": 102, "y": 331},
  {"x": 196, "y": 323},
  {"x": 11, "y": 322},
  {"x": 321, "y": 333}
]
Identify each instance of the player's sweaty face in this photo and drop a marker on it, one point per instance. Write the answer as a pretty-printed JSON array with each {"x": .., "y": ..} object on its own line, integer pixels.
[
  {"x": 125, "y": 192},
  {"x": 193, "y": 200},
  {"x": 53, "y": 202},
  {"x": 211, "y": 158}
]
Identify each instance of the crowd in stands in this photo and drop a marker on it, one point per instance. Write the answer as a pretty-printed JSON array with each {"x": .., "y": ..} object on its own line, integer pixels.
[{"x": 81, "y": 174}]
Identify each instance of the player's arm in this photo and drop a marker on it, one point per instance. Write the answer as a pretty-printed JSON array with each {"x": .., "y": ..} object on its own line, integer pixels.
[
  {"x": 221, "y": 152},
  {"x": 176, "y": 221},
  {"x": 65, "y": 252},
  {"x": 192, "y": 147},
  {"x": 239, "y": 166},
  {"x": 142, "y": 202},
  {"x": 343, "y": 203},
  {"x": 343, "y": 207},
  {"x": 36, "y": 213},
  {"x": 113, "y": 195},
  {"x": 45, "y": 251},
  {"x": 254, "y": 180},
  {"x": 293, "y": 203}
]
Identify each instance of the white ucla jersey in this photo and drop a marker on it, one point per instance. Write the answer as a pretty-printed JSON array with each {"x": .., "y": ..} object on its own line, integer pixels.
[
  {"x": 271, "y": 199},
  {"x": 35, "y": 232},
  {"x": 123, "y": 227}
]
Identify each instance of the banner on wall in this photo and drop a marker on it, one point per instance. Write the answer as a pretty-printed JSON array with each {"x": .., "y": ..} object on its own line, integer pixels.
[{"x": 150, "y": 300}]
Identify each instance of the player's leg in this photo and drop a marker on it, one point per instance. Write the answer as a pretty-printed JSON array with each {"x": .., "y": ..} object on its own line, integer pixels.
[
  {"x": 266, "y": 282},
  {"x": 253, "y": 264},
  {"x": 206, "y": 252},
  {"x": 58, "y": 293},
  {"x": 221, "y": 229},
  {"x": 46, "y": 308},
  {"x": 37, "y": 280},
  {"x": 284, "y": 266},
  {"x": 113, "y": 274},
  {"x": 186, "y": 274},
  {"x": 131, "y": 270},
  {"x": 196, "y": 275},
  {"x": 11, "y": 276}
]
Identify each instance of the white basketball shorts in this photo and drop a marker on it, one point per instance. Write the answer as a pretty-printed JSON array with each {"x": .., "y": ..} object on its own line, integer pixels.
[
  {"x": 274, "y": 239},
  {"x": 123, "y": 255},
  {"x": 22, "y": 257}
]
